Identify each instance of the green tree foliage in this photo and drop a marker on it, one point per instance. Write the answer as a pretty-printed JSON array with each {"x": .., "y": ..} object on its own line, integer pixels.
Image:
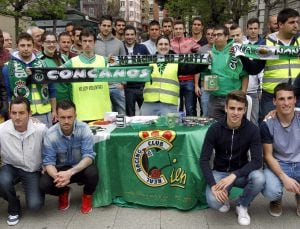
[
  {"x": 51, "y": 9},
  {"x": 213, "y": 11}
]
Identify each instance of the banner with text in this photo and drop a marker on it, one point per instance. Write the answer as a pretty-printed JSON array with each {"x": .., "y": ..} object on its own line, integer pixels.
[
  {"x": 264, "y": 52},
  {"x": 194, "y": 58},
  {"x": 114, "y": 74}
]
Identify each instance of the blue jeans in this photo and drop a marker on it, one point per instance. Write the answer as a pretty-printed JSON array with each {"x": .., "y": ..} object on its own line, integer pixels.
[
  {"x": 252, "y": 184},
  {"x": 30, "y": 182},
  {"x": 117, "y": 98},
  {"x": 158, "y": 109},
  {"x": 266, "y": 105},
  {"x": 204, "y": 102},
  {"x": 44, "y": 118},
  {"x": 132, "y": 96},
  {"x": 187, "y": 97},
  {"x": 273, "y": 188}
]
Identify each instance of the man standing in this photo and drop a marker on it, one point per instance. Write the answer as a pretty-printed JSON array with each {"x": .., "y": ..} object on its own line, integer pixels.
[
  {"x": 167, "y": 27},
  {"x": 65, "y": 43},
  {"x": 4, "y": 53},
  {"x": 91, "y": 98},
  {"x": 227, "y": 80},
  {"x": 197, "y": 31},
  {"x": 36, "y": 34},
  {"x": 184, "y": 45},
  {"x": 272, "y": 24},
  {"x": 7, "y": 41},
  {"x": 199, "y": 84},
  {"x": 277, "y": 71},
  {"x": 255, "y": 81},
  {"x": 41, "y": 96},
  {"x": 120, "y": 24},
  {"x": 280, "y": 138},
  {"x": 133, "y": 90},
  {"x": 154, "y": 32},
  {"x": 232, "y": 138},
  {"x": 76, "y": 47},
  {"x": 68, "y": 158},
  {"x": 107, "y": 45},
  {"x": 21, "y": 155}
]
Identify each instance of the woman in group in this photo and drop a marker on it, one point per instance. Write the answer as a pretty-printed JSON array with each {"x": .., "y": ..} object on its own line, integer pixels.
[
  {"x": 53, "y": 58},
  {"x": 162, "y": 93}
]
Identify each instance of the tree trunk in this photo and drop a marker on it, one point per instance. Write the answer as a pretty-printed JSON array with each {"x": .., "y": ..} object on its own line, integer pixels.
[
  {"x": 54, "y": 25},
  {"x": 17, "y": 29}
]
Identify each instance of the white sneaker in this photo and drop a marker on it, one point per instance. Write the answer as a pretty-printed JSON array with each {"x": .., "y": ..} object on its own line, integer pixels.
[
  {"x": 243, "y": 216},
  {"x": 225, "y": 208},
  {"x": 13, "y": 220}
]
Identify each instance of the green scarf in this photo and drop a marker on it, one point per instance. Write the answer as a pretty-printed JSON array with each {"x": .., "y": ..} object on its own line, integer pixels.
[{"x": 20, "y": 82}]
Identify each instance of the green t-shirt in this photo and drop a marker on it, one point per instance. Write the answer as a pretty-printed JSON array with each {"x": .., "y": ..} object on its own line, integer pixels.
[{"x": 228, "y": 79}]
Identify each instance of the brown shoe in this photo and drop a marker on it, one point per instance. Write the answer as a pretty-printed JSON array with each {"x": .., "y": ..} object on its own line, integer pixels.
[
  {"x": 275, "y": 208},
  {"x": 298, "y": 204}
]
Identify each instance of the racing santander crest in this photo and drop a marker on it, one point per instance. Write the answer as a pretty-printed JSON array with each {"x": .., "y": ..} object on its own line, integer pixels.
[{"x": 151, "y": 156}]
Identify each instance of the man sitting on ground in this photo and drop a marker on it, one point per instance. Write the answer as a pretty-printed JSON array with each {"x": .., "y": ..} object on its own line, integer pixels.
[
  {"x": 68, "y": 158},
  {"x": 280, "y": 138},
  {"x": 21, "y": 155},
  {"x": 232, "y": 138}
]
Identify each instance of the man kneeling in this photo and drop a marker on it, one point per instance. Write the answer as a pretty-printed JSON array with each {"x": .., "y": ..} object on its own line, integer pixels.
[
  {"x": 231, "y": 139},
  {"x": 68, "y": 158}
]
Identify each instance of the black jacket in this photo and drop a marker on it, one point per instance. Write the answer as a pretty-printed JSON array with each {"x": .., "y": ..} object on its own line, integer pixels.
[
  {"x": 3, "y": 96},
  {"x": 231, "y": 149}
]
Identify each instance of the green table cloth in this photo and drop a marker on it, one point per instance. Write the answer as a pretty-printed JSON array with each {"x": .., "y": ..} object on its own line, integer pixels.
[{"x": 152, "y": 166}]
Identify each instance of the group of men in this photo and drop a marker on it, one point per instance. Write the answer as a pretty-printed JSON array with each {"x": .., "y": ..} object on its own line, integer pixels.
[{"x": 67, "y": 154}]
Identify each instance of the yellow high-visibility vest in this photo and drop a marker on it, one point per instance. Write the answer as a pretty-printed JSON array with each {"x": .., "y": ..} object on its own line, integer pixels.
[
  {"x": 164, "y": 87},
  {"x": 92, "y": 99},
  {"x": 280, "y": 71}
]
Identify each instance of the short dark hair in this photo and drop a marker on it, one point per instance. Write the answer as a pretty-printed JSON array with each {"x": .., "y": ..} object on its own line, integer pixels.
[
  {"x": 283, "y": 87},
  {"x": 87, "y": 33},
  {"x": 179, "y": 22},
  {"x": 285, "y": 14},
  {"x": 63, "y": 34},
  {"x": 20, "y": 100},
  {"x": 25, "y": 36},
  {"x": 154, "y": 22},
  {"x": 105, "y": 17},
  {"x": 69, "y": 24},
  {"x": 234, "y": 26},
  {"x": 65, "y": 104},
  {"x": 237, "y": 95},
  {"x": 120, "y": 20},
  {"x": 166, "y": 20},
  {"x": 197, "y": 19},
  {"x": 252, "y": 21},
  {"x": 224, "y": 28},
  {"x": 76, "y": 28},
  {"x": 130, "y": 27}
]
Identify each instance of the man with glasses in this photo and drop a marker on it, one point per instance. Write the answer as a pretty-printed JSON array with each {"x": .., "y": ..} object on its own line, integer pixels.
[
  {"x": 199, "y": 84},
  {"x": 229, "y": 72}
]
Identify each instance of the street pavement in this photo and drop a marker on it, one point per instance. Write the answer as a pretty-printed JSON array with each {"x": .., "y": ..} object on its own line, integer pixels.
[{"x": 114, "y": 217}]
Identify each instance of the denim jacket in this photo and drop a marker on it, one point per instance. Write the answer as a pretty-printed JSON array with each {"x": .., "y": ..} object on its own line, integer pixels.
[{"x": 60, "y": 150}]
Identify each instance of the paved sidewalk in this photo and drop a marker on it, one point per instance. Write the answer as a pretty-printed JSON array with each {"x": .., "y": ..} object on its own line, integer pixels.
[{"x": 113, "y": 217}]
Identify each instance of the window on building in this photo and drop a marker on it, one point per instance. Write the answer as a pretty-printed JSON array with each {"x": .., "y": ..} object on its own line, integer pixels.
[
  {"x": 122, "y": 3},
  {"x": 91, "y": 11},
  {"x": 130, "y": 13},
  {"x": 131, "y": 3}
]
